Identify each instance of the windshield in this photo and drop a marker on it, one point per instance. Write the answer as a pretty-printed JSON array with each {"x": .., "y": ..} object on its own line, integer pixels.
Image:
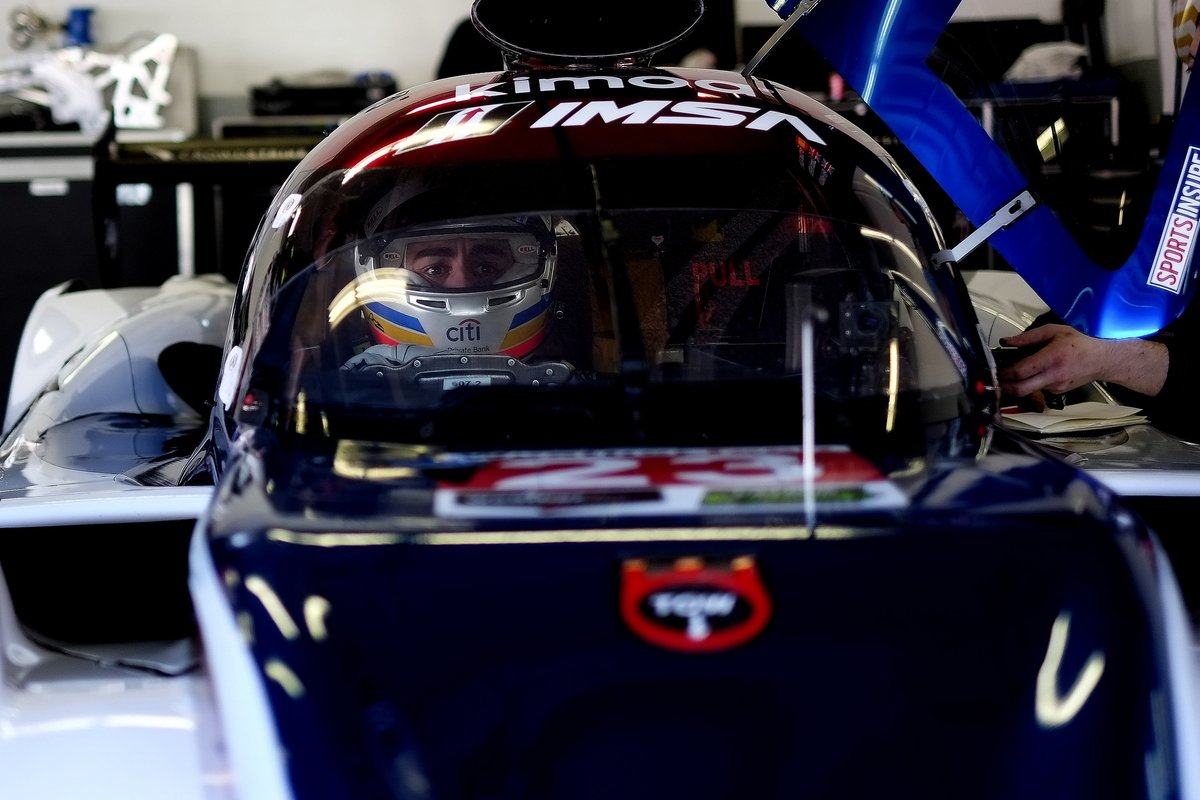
[{"x": 597, "y": 319}]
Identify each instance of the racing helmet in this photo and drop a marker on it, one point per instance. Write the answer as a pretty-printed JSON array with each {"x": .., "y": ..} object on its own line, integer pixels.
[{"x": 471, "y": 286}]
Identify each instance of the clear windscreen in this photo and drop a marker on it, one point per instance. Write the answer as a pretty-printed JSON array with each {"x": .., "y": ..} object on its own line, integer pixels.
[{"x": 577, "y": 324}]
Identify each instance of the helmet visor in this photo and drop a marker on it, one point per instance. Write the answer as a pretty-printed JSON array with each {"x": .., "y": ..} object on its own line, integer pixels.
[{"x": 463, "y": 259}]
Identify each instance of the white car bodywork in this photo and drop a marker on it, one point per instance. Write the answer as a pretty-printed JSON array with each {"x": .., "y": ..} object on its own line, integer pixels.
[
  {"x": 102, "y": 345},
  {"x": 95, "y": 352},
  {"x": 72, "y": 727},
  {"x": 112, "y": 722},
  {"x": 1003, "y": 302}
]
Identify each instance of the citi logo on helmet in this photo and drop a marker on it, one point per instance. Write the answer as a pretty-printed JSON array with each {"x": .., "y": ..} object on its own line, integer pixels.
[{"x": 469, "y": 330}]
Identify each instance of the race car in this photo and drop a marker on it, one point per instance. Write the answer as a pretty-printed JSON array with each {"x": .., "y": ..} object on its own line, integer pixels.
[{"x": 584, "y": 429}]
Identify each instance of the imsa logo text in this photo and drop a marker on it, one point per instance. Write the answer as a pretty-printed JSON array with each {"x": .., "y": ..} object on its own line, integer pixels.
[{"x": 664, "y": 112}]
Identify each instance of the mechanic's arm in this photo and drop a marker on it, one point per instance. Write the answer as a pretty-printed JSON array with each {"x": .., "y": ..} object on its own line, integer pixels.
[{"x": 1069, "y": 359}]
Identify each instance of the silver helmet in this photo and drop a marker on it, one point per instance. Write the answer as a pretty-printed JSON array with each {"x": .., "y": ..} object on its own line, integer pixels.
[{"x": 473, "y": 287}]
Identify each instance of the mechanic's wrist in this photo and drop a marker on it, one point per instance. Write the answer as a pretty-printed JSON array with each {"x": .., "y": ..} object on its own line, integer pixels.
[{"x": 1136, "y": 364}]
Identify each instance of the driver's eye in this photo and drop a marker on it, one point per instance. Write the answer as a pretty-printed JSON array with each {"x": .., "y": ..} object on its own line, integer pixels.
[{"x": 432, "y": 269}]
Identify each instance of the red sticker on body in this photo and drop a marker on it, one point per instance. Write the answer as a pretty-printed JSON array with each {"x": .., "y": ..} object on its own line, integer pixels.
[{"x": 692, "y": 605}]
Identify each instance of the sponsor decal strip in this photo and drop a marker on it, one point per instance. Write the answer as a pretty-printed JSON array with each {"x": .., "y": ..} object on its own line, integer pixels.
[
  {"x": 1174, "y": 252},
  {"x": 710, "y": 482}
]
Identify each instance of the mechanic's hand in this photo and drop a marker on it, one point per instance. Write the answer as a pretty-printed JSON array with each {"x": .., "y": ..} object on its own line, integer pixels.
[{"x": 1067, "y": 359}]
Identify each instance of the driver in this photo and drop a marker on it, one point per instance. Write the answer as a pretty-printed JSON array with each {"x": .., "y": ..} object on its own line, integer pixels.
[{"x": 471, "y": 288}]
